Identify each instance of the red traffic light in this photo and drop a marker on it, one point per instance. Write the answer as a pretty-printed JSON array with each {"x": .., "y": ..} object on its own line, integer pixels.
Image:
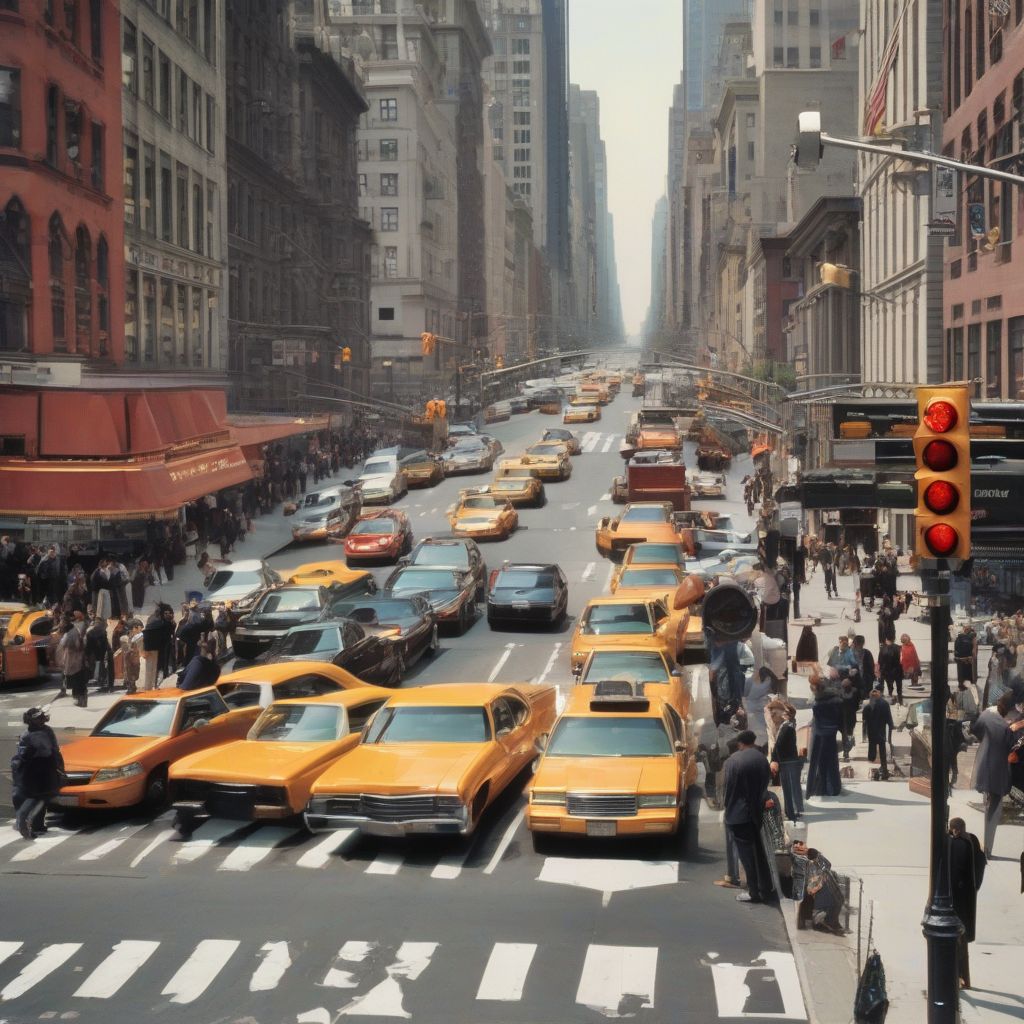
[
  {"x": 940, "y": 416},
  {"x": 941, "y": 497},
  {"x": 939, "y": 456},
  {"x": 941, "y": 539}
]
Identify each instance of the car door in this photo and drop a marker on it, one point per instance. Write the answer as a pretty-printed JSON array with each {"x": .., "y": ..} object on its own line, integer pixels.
[{"x": 362, "y": 657}]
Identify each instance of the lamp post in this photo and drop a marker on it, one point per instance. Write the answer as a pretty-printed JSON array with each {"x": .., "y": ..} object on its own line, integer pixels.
[{"x": 388, "y": 365}]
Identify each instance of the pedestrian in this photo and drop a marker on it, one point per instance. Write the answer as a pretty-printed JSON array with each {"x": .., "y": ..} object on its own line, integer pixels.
[
  {"x": 807, "y": 645},
  {"x": 841, "y": 657},
  {"x": 203, "y": 670},
  {"x": 991, "y": 764},
  {"x": 966, "y": 870},
  {"x": 757, "y": 692},
  {"x": 51, "y": 573},
  {"x": 878, "y": 726},
  {"x": 131, "y": 655},
  {"x": 799, "y": 575},
  {"x": 887, "y": 616},
  {"x": 36, "y": 769},
  {"x": 865, "y": 670},
  {"x": 97, "y": 656},
  {"x": 826, "y": 559},
  {"x": 788, "y": 764},
  {"x": 965, "y": 650},
  {"x": 70, "y": 659},
  {"x": 910, "y": 661},
  {"x": 156, "y": 635},
  {"x": 747, "y": 777},
  {"x": 142, "y": 578},
  {"x": 827, "y": 722},
  {"x": 850, "y": 694},
  {"x": 998, "y": 679},
  {"x": 890, "y": 671}
]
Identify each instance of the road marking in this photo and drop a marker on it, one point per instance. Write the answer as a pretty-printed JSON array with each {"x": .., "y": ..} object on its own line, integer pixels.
[
  {"x": 570, "y": 505},
  {"x": 618, "y": 981},
  {"x": 505, "y": 840},
  {"x": 608, "y": 876},
  {"x": 589, "y": 442},
  {"x": 385, "y": 999},
  {"x": 422, "y": 514},
  {"x": 607, "y": 446},
  {"x": 386, "y": 863},
  {"x": 505, "y": 974},
  {"x": 42, "y": 845},
  {"x": 255, "y": 848},
  {"x": 198, "y": 971},
  {"x": 124, "y": 960},
  {"x": 122, "y": 833},
  {"x": 213, "y": 831},
  {"x": 276, "y": 960},
  {"x": 8, "y": 949},
  {"x": 353, "y": 952},
  {"x": 608, "y": 577},
  {"x": 500, "y": 664},
  {"x": 452, "y": 865},
  {"x": 433, "y": 511},
  {"x": 47, "y": 960},
  {"x": 766, "y": 988},
  {"x": 151, "y": 846},
  {"x": 605, "y": 497},
  {"x": 8, "y": 837},
  {"x": 551, "y": 663},
  {"x": 320, "y": 854},
  {"x": 588, "y": 572},
  {"x": 592, "y": 510}
]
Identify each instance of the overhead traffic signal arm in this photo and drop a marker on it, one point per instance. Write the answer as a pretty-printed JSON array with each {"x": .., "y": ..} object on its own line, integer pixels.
[{"x": 942, "y": 449}]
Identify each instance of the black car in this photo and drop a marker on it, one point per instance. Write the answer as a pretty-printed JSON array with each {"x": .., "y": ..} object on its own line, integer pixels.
[
  {"x": 282, "y": 607},
  {"x": 517, "y": 405},
  {"x": 369, "y": 656},
  {"x": 527, "y": 593},
  {"x": 450, "y": 552},
  {"x": 449, "y": 592},
  {"x": 412, "y": 617}
]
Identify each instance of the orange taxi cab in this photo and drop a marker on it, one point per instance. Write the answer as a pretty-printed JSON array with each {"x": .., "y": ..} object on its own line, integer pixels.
[
  {"x": 640, "y": 521},
  {"x": 582, "y": 414},
  {"x": 325, "y": 574},
  {"x": 629, "y": 580},
  {"x": 520, "y": 490},
  {"x": 486, "y": 516},
  {"x": 26, "y": 642}
]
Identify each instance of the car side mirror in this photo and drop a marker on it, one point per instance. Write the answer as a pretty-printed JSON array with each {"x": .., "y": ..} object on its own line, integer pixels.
[
  {"x": 541, "y": 742},
  {"x": 679, "y": 746},
  {"x": 200, "y": 723},
  {"x": 17, "y": 641}
]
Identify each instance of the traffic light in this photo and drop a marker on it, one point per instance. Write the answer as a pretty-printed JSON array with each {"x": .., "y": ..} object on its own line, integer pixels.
[
  {"x": 430, "y": 410},
  {"x": 942, "y": 447},
  {"x": 346, "y": 355},
  {"x": 499, "y": 362},
  {"x": 441, "y": 408},
  {"x": 428, "y": 342}
]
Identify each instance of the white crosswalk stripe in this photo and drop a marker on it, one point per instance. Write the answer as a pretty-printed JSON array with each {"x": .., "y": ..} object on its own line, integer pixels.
[
  {"x": 111, "y": 975},
  {"x": 120, "y": 835},
  {"x": 386, "y": 863},
  {"x": 276, "y": 960},
  {"x": 613, "y": 973},
  {"x": 8, "y": 949},
  {"x": 255, "y": 848},
  {"x": 195, "y": 975},
  {"x": 386, "y": 998},
  {"x": 45, "y": 963},
  {"x": 43, "y": 845},
  {"x": 451, "y": 865},
  {"x": 209, "y": 835},
  {"x": 321, "y": 853},
  {"x": 505, "y": 974},
  {"x": 590, "y": 440},
  {"x": 352, "y": 953}
]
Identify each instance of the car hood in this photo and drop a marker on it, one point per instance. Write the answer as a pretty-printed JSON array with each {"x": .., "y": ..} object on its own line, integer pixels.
[
  {"x": 360, "y": 538},
  {"x": 231, "y": 593},
  {"x": 401, "y": 768},
  {"x": 608, "y": 774},
  {"x": 279, "y": 620},
  {"x": 502, "y": 594},
  {"x": 377, "y": 480},
  {"x": 95, "y": 752},
  {"x": 252, "y": 761}
]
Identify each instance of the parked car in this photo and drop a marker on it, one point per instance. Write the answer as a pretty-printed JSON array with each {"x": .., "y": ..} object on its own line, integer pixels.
[
  {"x": 26, "y": 642},
  {"x": 451, "y": 593},
  {"x": 518, "y": 405},
  {"x": 369, "y": 656},
  {"x": 460, "y": 553},
  {"x": 260, "y": 685},
  {"x": 407, "y": 621},
  {"x": 240, "y": 582},
  {"x": 380, "y": 535},
  {"x": 527, "y": 593}
]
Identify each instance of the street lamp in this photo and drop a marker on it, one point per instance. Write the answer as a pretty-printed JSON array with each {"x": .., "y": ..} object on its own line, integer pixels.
[{"x": 388, "y": 365}]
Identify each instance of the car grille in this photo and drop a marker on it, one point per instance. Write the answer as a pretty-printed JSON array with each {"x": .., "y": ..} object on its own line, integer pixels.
[
  {"x": 589, "y": 806},
  {"x": 229, "y": 800},
  {"x": 398, "y": 808},
  {"x": 78, "y": 778}
]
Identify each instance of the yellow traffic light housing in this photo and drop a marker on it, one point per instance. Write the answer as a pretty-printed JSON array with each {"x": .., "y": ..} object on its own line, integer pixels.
[
  {"x": 346, "y": 355},
  {"x": 942, "y": 448},
  {"x": 441, "y": 408},
  {"x": 499, "y": 362},
  {"x": 428, "y": 341}
]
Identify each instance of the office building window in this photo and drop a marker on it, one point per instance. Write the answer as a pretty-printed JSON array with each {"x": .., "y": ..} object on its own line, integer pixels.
[
  {"x": 210, "y": 30},
  {"x": 520, "y": 67},
  {"x": 389, "y": 110},
  {"x": 389, "y": 149},
  {"x": 521, "y": 117},
  {"x": 792, "y": 16},
  {"x": 521, "y": 47},
  {"x": 181, "y": 201},
  {"x": 166, "y": 199},
  {"x": 751, "y": 120},
  {"x": 777, "y": 57},
  {"x": 814, "y": 17},
  {"x": 815, "y": 59},
  {"x": 391, "y": 261},
  {"x": 211, "y": 216},
  {"x": 389, "y": 42},
  {"x": 131, "y": 312},
  {"x": 148, "y": 71},
  {"x": 973, "y": 355},
  {"x": 149, "y": 189},
  {"x": 98, "y": 142},
  {"x": 389, "y": 184},
  {"x": 1015, "y": 332},
  {"x": 386, "y": 313},
  {"x": 750, "y": 151},
  {"x": 182, "y": 102},
  {"x": 165, "y": 87},
  {"x": 777, "y": 16},
  {"x": 792, "y": 57},
  {"x": 197, "y": 113},
  {"x": 131, "y": 177},
  {"x": 130, "y": 55},
  {"x": 10, "y": 107},
  {"x": 389, "y": 218},
  {"x": 211, "y": 124},
  {"x": 198, "y": 220},
  {"x": 96, "y": 29},
  {"x": 361, "y": 180},
  {"x": 993, "y": 358}
]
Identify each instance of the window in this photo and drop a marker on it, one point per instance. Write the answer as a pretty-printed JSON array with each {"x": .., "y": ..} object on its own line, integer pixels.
[
  {"x": 166, "y": 199},
  {"x": 391, "y": 261},
  {"x": 165, "y": 88},
  {"x": 521, "y": 156},
  {"x": 96, "y": 29},
  {"x": 211, "y": 123},
  {"x": 362, "y": 184},
  {"x": 389, "y": 218},
  {"x": 520, "y": 67},
  {"x": 182, "y": 102},
  {"x": 993, "y": 358},
  {"x": 814, "y": 18},
  {"x": 520, "y": 97},
  {"x": 149, "y": 189},
  {"x": 56, "y": 256},
  {"x": 792, "y": 16},
  {"x": 777, "y": 18},
  {"x": 389, "y": 184},
  {"x": 52, "y": 124},
  {"x": 181, "y": 200},
  {"x": 1015, "y": 331},
  {"x": 521, "y": 117},
  {"x": 751, "y": 120},
  {"x": 14, "y": 243},
  {"x": 10, "y": 107},
  {"x": 521, "y": 47},
  {"x": 73, "y": 132},
  {"x": 386, "y": 313},
  {"x": 83, "y": 291},
  {"x": 192, "y": 22},
  {"x": 148, "y": 72},
  {"x": 389, "y": 110},
  {"x": 956, "y": 354},
  {"x": 389, "y": 42},
  {"x": 198, "y": 220},
  {"x": 815, "y": 56},
  {"x": 750, "y": 151},
  {"x": 71, "y": 20},
  {"x": 129, "y": 57},
  {"x": 973, "y": 355},
  {"x": 97, "y": 142},
  {"x": 131, "y": 312},
  {"x": 209, "y": 30},
  {"x": 211, "y": 215},
  {"x": 389, "y": 149},
  {"x": 197, "y": 113},
  {"x": 131, "y": 177},
  {"x": 777, "y": 57},
  {"x": 521, "y": 135},
  {"x": 792, "y": 57}
]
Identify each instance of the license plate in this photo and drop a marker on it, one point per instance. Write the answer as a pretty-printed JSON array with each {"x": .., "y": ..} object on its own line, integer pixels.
[
  {"x": 601, "y": 828},
  {"x": 521, "y": 606},
  {"x": 65, "y": 801}
]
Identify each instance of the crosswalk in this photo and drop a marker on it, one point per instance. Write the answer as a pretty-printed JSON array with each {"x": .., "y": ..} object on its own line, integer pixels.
[
  {"x": 613, "y": 980},
  {"x": 598, "y": 441}
]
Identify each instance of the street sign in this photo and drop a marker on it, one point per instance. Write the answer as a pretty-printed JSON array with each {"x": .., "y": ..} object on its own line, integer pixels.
[{"x": 942, "y": 216}]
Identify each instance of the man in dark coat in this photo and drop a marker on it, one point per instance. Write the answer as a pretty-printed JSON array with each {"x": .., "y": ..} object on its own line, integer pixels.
[
  {"x": 202, "y": 670},
  {"x": 36, "y": 772},
  {"x": 826, "y": 559},
  {"x": 823, "y": 768},
  {"x": 878, "y": 726},
  {"x": 799, "y": 576},
  {"x": 786, "y": 760},
  {"x": 747, "y": 777},
  {"x": 991, "y": 767},
  {"x": 890, "y": 669},
  {"x": 865, "y": 662},
  {"x": 966, "y": 870}
]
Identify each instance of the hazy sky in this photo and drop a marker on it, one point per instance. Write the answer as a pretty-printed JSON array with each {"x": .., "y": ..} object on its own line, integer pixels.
[{"x": 633, "y": 60}]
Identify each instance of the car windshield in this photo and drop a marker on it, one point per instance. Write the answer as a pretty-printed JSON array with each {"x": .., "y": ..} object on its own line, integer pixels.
[
  {"x": 465, "y": 444},
  {"x": 611, "y": 736},
  {"x": 382, "y": 611},
  {"x": 138, "y": 718},
  {"x": 233, "y": 578},
  {"x": 428, "y": 579},
  {"x": 601, "y": 619},
  {"x": 310, "y": 641},
  {"x": 556, "y": 435},
  {"x": 297, "y": 723},
  {"x": 429, "y": 725},
  {"x": 653, "y": 554},
  {"x": 297, "y": 600},
  {"x": 523, "y": 579},
  {"x": 483, "y": 501},
  {"x": 324, "y": 500},
  {"x": 633, "y": 666},
  {"x": 511, "y": 484},
  {"x": 377, "y": 466},
  {"x": 542, "y": 449},
  {"x": 375, "y": 526},
  {"x": 456, "y": 555},
  {"x": 648, "y": 578},
  {"x": 644, "y": 515}
]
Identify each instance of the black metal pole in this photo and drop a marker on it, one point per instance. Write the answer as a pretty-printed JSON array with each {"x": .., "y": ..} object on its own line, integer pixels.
[{"x": 941, "y": 926}]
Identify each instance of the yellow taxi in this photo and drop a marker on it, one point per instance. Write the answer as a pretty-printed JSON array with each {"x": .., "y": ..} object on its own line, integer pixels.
[
  {"x": 643, "y": 621},
  {"x": 26, "y": 641},
  {"x": 422, "y": 469},
  {"x": 635, "y": 664},
  {"x": 551, "y": 459},
  {"x": 325, "y": 574},
  {"x": 582, "y": 414},
  {"x": 655, "y": 553},
  {"x": 645, "y": 579},
  {"x": 619, "y": 762},
  {"x": 659, "y": 437},
  {"x": 433, "y": 759},
  {"x": 485, "y": 516},
  {"x": 640, "y": 521},
  {"x": 584, "y": 399},
  {"x": 520, "y": 490},
  {"x": 268, "y": 775}
]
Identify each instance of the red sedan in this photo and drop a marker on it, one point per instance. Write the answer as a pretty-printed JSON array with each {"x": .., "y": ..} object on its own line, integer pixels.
[{"x": 380, "y": 535}]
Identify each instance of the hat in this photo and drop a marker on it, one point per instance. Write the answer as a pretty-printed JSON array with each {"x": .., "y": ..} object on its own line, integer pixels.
[{"x": 35, "y": 715}]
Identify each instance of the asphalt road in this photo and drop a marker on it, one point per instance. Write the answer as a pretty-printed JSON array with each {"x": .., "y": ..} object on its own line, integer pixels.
[{"x": 109, "y": 920}]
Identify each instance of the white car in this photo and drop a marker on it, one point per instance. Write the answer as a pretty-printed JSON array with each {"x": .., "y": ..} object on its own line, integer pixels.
[
  {"x": 240, "y": 582},
  {"x": 707, "y": 485},
  {"x": 382, "y": 480},
  {"x": 714, "y": 542}
]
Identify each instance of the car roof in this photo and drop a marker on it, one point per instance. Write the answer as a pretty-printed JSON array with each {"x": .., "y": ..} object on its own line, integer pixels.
[
  {"x": 444, "y": 540},
  {"x": 283, "y": 671},
  {"x": 453, "y": 694},
  {"x": 615, "y": 599},
  {"x": 380, "y": 513},
  {"x": 343, "y": 697},
  {"x": 577, "y": 704},
  {"x": 534, "y": 566},
  {"x": 164, "y": 693},
  {"x": 245, "y": 565}
]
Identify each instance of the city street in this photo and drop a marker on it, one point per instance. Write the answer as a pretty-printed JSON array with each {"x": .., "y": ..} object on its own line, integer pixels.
[{"x": 265, "y": 924}]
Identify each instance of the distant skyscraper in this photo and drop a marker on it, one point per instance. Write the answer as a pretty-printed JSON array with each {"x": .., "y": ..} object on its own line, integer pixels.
[{"x": 702, "y": 27}]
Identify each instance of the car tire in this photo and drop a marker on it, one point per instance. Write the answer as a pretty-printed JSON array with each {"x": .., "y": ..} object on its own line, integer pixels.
[
  {"x": 399, "y": 674},
  {"x": 541, "y": 500},
  {"x": 433, "y": 645},
  {"x": 155, "y": 794},
  {"x": 478, "y": 806},
  {"x": 465, "y": 620},
  {"x": 541, "y": 843}
]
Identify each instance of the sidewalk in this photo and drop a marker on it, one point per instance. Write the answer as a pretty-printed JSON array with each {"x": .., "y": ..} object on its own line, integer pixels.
[
  {"x": 877, "y": 833},
  {"x": 270, "y": 534}
]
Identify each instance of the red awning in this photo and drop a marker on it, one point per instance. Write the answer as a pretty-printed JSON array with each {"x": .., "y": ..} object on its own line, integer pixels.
[
  {"x": 256, "y": 430},
  {"x": 115, "y": 489}
]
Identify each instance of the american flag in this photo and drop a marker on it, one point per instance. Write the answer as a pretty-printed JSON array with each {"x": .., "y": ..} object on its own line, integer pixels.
[{"x": 874, "y": 108}]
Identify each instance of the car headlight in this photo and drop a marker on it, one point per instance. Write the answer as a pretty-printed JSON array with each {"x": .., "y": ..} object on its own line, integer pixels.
[
  {"x": 657, "y": 800},
  {"x": 124, "y": 772},
  {"x": 452, "y": 805},
  {"x": 383, "y": 541},
  {"x": 542, "y": 797}
]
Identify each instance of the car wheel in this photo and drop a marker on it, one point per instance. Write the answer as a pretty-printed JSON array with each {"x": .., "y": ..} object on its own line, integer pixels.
[
  {"x": 541, "y": 843},
  {"x": 433, "y": 645},
  {"x": 155, "y": 798},
  {"x": 399, "y": 673},
  {"x": 465, "y": 620},
  {"x": 479, "y": 806}
]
